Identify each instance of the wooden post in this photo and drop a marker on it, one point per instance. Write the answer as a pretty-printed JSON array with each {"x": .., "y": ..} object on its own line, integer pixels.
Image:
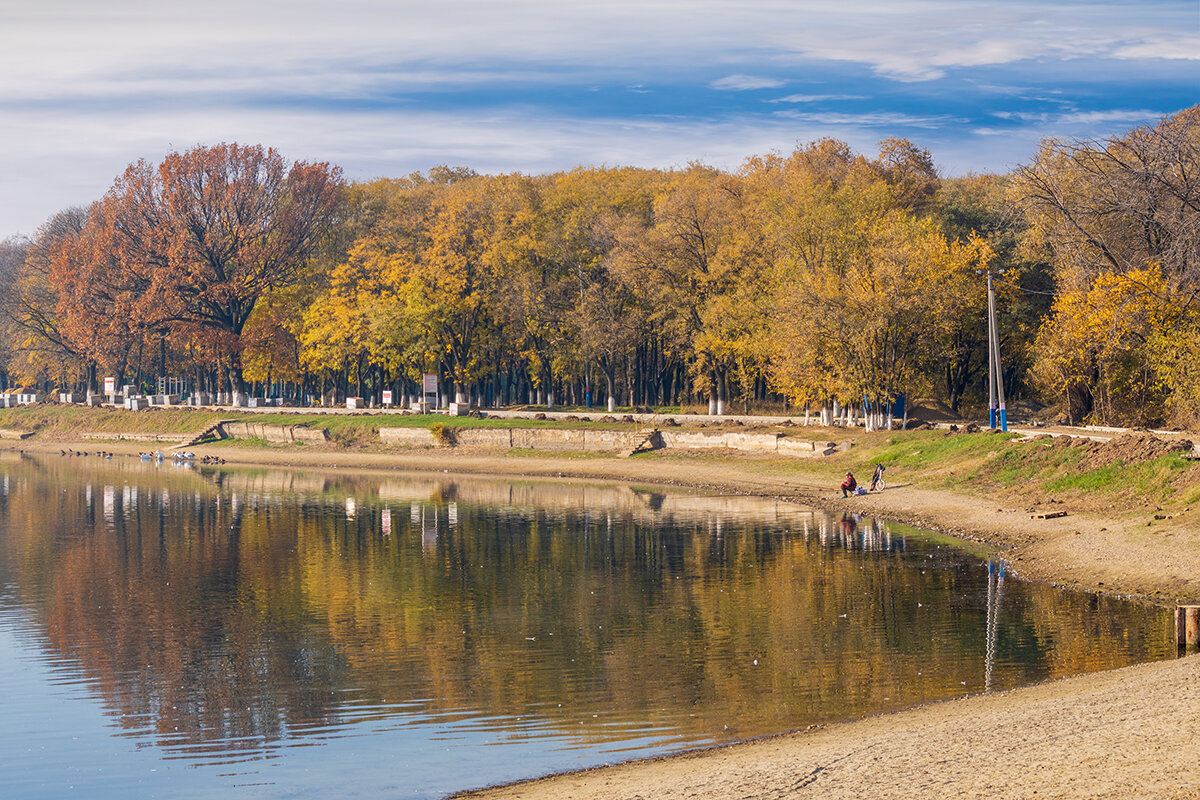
[{"x": 1187, "y": 625}]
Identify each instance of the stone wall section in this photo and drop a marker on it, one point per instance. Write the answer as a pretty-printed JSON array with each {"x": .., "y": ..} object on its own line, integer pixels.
[
  {"x": 272, "y": 433},
  {"x": 610, "y": 441}
]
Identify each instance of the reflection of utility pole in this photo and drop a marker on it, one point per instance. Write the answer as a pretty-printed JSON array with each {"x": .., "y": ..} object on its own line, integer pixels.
[
  {"x": 995, "y": 589},
  {"x": 995, "y": 380}
]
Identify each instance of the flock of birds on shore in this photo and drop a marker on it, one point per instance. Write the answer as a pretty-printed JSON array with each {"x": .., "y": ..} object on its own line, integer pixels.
[{"x": 156, "y": 456}]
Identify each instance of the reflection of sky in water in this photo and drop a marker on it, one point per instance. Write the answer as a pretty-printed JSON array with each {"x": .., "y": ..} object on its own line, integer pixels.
[
  {"x": 414, "y": 637},
  {"x": 61, "y": 740}
]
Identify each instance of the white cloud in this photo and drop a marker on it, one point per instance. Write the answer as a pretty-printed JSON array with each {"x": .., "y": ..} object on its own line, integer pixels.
[
  {"x": 67, "y": 47},
  {"x": 1068, "y": 119},
  {"x": 1176, "y": 48},
  {"x": 815, "y": 98},
  {"x": 740, "y": 83},
  {"x": 87, "y": 87},
  {"x": 64, "y": 158},
  {"x": 876, "y": 119},
  {"x": 85, "y": 153},
  {"x": 922, "y": 40}
]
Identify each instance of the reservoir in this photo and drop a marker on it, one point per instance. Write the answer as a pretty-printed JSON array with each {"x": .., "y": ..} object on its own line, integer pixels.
[{"x": 193, "y": 631}]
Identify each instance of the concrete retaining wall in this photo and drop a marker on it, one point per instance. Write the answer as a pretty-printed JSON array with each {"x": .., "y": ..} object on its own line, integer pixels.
[
  {"x": 272, "y": 433},
  {"x": 483, "y": 437},
  {"x": 607, "y": 441},
  {"x": 549, "y": 438},
  {"x": 300, "y": 433},
  {"x": 804, "y": 448},
  {"x": 409, "y": 437},
  {"x": 531, "y": 438},
  {"x": 616, "y": 441},
  {"x": 747, "y": 442},
  {"x": 139, "y": 437},
  {"x": 596, "y": 441}
]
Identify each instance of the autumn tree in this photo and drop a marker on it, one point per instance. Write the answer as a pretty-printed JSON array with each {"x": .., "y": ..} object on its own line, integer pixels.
[
  {"x": 45, "y": 343},
  {"x": 12, "y": 261},
  {"x": 861, "y": 287},
  {"x": 1120, "y": 219},
  {"x": 680, "y": 267},
  {"x": 583, "y": 212},
  {"x": 197, "y": 241},
  {"x": 979, "y": 206}
]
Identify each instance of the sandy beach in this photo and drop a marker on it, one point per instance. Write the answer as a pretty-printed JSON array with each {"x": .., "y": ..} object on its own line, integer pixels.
[
  {"x": 1121, "y": 734},
  {"x": 1128, "y": 733}
]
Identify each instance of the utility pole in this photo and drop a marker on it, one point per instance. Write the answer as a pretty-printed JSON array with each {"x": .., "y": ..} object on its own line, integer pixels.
[
  {"x": 991, "y": 359},
  {"x": 995, "y": 373}
]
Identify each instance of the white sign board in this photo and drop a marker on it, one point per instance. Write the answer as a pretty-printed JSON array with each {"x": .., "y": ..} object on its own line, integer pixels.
[
  {"x": 387, "y": 397},
  {"x": 429, "y": 388},
  {"x": 110, "y": 385}
]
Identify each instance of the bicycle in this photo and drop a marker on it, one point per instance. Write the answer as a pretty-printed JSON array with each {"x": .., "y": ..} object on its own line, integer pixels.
[{"x": 877, "y": 482}]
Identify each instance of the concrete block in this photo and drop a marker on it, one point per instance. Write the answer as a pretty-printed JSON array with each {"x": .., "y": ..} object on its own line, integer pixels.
[
  {"x": 604, "y": 441},
  {"x": 548, "y": 439},
  {"x": 689, "y": 440},
  {"x": 300, "y": 433},
  {"x": 799, "y": 448},
  {"x": 408, "y": 437},
  {"x": 484, "y": 437},
  {"x": 752, "y": 442}
]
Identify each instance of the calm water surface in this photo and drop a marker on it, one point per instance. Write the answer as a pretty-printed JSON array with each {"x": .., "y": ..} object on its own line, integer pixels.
[{"x": 188, "y": 632}]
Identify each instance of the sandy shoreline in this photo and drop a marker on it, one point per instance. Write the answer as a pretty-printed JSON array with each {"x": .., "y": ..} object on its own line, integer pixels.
[
  {"x": 1127, "y": 733},
  {"x": 1121, "y": 734}
]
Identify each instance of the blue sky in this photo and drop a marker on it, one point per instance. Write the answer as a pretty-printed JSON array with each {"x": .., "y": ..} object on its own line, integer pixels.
[{"x": 384, "y": 88}]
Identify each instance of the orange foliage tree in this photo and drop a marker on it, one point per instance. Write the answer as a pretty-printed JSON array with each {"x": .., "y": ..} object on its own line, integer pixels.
[{"x": 192, "y": 245}]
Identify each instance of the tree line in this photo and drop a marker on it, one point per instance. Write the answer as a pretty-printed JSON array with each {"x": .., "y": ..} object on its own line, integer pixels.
[{"x": 806, "y": 279}]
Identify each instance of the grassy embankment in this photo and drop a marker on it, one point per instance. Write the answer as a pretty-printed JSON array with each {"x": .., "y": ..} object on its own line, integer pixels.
[
  {"x": 1086, "y": 476},
  {"x": 63, "y": 422},
  {"x": 1109, "y": 478}
]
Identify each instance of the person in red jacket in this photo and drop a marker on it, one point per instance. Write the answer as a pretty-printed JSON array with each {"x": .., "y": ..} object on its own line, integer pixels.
[{"x": 849, "y": 485}]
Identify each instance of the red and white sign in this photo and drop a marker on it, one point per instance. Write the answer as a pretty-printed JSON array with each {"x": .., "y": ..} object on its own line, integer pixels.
[
  {"x": 110, "y": 385},
  {"x": 387, "y": 397}
]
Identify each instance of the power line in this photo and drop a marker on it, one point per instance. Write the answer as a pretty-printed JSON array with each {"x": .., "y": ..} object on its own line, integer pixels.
[{"x": 1023, "y": 289}]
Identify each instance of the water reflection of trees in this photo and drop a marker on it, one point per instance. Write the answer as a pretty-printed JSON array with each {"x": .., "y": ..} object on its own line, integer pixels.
[{"x": 231, "y": 608}]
